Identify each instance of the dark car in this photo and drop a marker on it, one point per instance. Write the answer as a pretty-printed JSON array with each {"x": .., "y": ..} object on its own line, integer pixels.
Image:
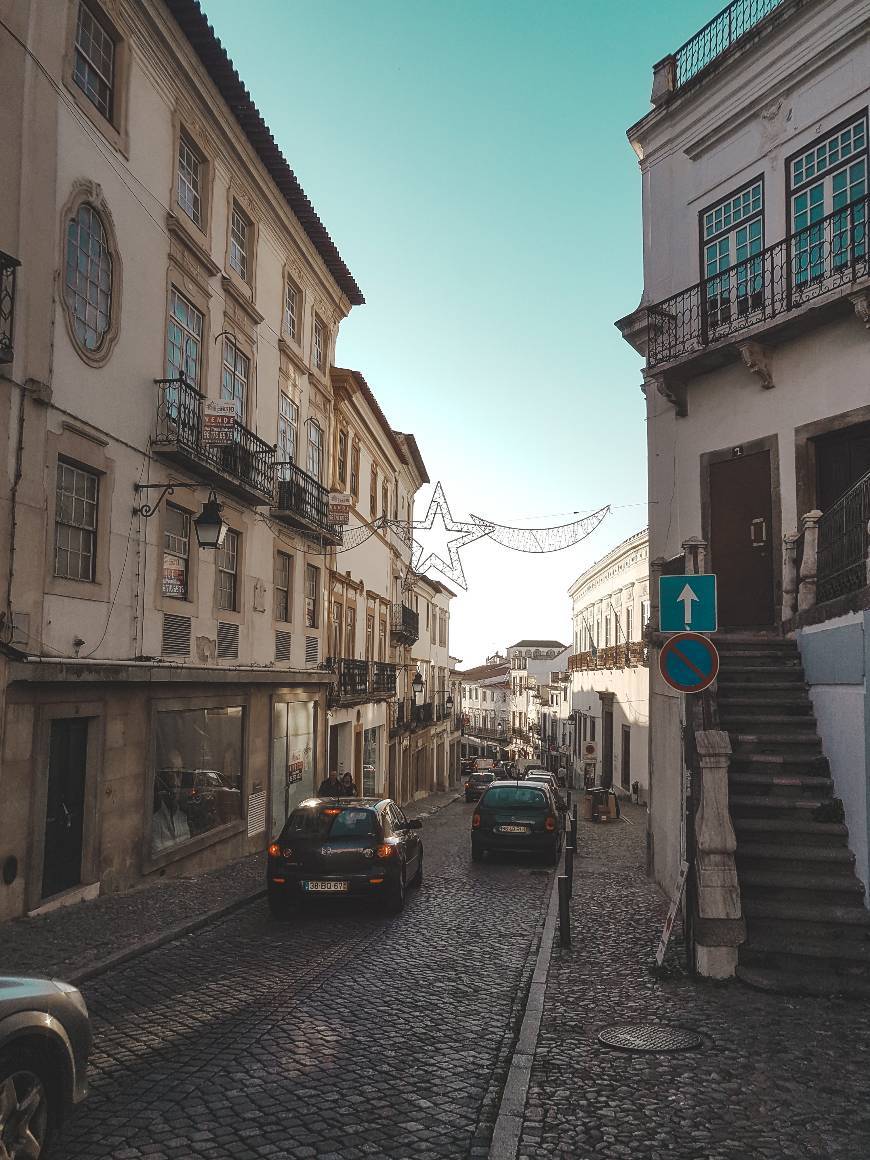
[
  {"x": 476, "y": 783},
  {"x": 518, "y": 816},
  {"x": 347, "y": 847},
  {"x": 45, "y": 1040}
]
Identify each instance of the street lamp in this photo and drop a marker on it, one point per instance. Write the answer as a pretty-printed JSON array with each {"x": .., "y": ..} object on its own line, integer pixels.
[
  {"x": 417, "y": 685},
  {"x": 209, "y": 525}
]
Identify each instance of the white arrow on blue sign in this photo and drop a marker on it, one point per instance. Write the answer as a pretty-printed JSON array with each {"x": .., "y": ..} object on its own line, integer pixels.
[{"x": 688, "y": 603}]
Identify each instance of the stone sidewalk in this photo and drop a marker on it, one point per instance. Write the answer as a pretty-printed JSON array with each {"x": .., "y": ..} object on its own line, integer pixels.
[
  {"x": 776, "y": 1077},
  {"x": 79, "y": 941}
]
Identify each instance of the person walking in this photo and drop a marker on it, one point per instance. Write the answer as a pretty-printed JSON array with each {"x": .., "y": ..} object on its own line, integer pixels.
[
  {"x": 330, "y": 786},
  {"x": 348, "y": 786}
]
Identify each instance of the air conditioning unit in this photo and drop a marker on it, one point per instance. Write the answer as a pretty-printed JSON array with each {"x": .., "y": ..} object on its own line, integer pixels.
[{"x": 590, "y": 750}]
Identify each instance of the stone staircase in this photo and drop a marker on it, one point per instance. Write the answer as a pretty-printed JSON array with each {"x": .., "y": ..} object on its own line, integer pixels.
[{"x": 807, "y": 928}]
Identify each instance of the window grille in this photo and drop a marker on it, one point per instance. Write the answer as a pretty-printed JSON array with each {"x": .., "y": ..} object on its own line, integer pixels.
[
  {"x": 94, "y": 64},
  {"x": 227, "y": 641},
  {"x": 176, "y": 635}
]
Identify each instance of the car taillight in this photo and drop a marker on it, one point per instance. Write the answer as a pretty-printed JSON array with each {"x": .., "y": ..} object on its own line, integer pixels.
[
  {"x": 385, "y": 851},
  {"x": 274, "y": 850},
  {"x": 550, "y": 823},
  {"x": 475, "y": 822}
]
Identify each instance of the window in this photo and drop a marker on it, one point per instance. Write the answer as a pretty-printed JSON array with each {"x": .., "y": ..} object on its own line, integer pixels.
[
  {"x": 288, "y": 422},
  {"x": 315, "y": 449},
  {"x": 373, "y": 493},
  {"x": 188, "y": 190},
  {"x": 337, "y": 626},
  {"x": 319, "y": 344},
  {"x": 385, "y": 500},
  {"x": 312, "y": 596},
  {"x": 227, "y": 571},
  {"x": 628, "y": 636},
  {"x": 354, "y": 472},
  {"x": 370, "y": 636},
  {"x": 176, "y": 552},
  {"x": 234, "y": 377},
  {"x": 283, "y": 586},
  {"x": 342, "y": 457},
  {"x": 382, "y": 639},
  {"x": 183, "y": 340},
  {"x": 733, "y": 238},
  {"x": 644, "y": 615},
  {"x": 350, "y": 631},
  {"x": 240, "y": 241},
  {"x": 292, "y": 299},
  {"x": 75, "y": 534},
  {"x": 88, "y": 282},
  {"x": 94, "y": 63}
]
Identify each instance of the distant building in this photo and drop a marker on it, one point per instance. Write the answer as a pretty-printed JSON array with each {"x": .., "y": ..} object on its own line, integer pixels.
[{"x": 531, "y": 662}]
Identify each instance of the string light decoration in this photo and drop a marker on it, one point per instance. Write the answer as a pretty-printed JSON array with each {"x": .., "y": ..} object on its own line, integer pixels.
[{"x": 544, "y": 539}]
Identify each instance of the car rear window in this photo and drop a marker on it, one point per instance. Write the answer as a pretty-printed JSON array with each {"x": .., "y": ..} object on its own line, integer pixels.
[
  {"x": 483, "y": 778},
  {"x": 503, "y": 797},
  {"x": 351, "y": 822}
]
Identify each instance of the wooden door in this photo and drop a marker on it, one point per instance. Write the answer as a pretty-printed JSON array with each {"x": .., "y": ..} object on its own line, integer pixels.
[
  {"x": 741, "y": 540},
  {"x": 625, "y": 773},
  {"x": 607, "y": 748},
  {"x": 64, "y": 810}
]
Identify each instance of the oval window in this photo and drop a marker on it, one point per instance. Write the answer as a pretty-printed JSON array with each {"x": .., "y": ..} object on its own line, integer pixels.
[{"x": 88, "y": 283}]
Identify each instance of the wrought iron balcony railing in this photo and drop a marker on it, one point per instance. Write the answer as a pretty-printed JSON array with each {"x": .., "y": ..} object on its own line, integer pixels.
[
  {"x": 825, "y": 258},
  {"x": 8, "y": 268},
  {"x": 423, "y": 715},
  {"x": 303, "y": 501},
  {"x": 405, "y": 627},
  {"x": 243, "y": 464},
  {"x": 401, "y": 718},
  {"x": 353, "y": 680},
  {"x": 614, "y": 656},
  {"x": 719, "y": 34},
  {"x": 844, "y": 540},
  {"x": 383, "y": 678}
]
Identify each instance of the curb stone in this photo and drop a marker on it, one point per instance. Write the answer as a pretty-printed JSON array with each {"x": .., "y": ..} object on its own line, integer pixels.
[{"x": 189, "y": 926}]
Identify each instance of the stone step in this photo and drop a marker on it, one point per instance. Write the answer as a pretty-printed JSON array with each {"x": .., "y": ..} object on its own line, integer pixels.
[
  {"x": 819, "y": 983},
  {"x": 787, "y": 763},
  {"x": 774, "y": 804},
  {"x": 806, "y": 923},
  {"x": 782, "y": 784},
  {"x": 833, "y": 858},
  {"x": 843, "y": 956},
  {"x": 760, "y": 662},
  {"x": 767, "y": 723},
  {"x": 782, "y": 886},
  {"x": 789, "y": 830},
  {"x": 775, "y": 742},
  {"x": 766, "y": 675},
  {"x": 793, "y": 704},
  {"x": 745, "y": 688}
]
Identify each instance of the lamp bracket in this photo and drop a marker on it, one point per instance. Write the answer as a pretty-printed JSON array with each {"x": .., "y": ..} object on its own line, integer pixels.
[{"x": 148, "y": 509}]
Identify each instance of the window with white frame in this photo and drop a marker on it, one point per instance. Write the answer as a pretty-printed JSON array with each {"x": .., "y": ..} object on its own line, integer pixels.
[
  {"x": 292, "y": 303},
  {"x": 319, "y": 344},
  {"x": 312, "y": 596},
  {"x": 240, "y": 243},
  {"x": 188, "y": 189},
  {"x": 94, "y": 60},
  {"x": 628, "y": 636},
  {"x": 176, "y": 553},
  {"x": 283, "y": 585},
  {"x": 75, "y": 523},
  {"x": 88, "y": 280},
  {"x": 733, "y": 237},
  {"x": 288, "y": 429},
  {"x": 183, "y": 339},
  {"x": 227, "y": 559},
  {"x": 234, "y": 376},
  {"x": 315, "y": 449}
]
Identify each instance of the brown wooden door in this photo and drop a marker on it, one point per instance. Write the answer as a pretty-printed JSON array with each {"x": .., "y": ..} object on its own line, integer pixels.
[
  {"x": 741, "y": 541},
  {"x": 64, "y": 813},
  {"x": 607, "y": 748}
]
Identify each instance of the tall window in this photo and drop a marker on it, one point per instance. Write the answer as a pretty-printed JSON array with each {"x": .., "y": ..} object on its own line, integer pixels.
[
  {"x": 628, "y": 636},
  {"x": 176, "y": 553},
  {"x": 315, "y": 449},
  {"x": 830, "y": 177},
  {"x": 283, "y": 586},
  {"x": 337, "y": 626},
  {"x": 288, "y": 421},
  {"x": 370, "y": 636},
  {"x": 385, "y": 500},
  {"x": 94, "y": 64},
  {"x": 228, "y": 572},
  {"x": 234, "y": 376},
  {"x": 188, "y": 192},
  {"x": 382, "y": 639},
  {"x": 312, "y": 596},
  {"x": 292, "y": 297},
  {"x": 319, "y": 344},
  {"x": 373, "y": 493},
  {"x": 342, "y": 457},
  {"x": 350, "y": 631},
  {"x": 354, "y": 472},
  {"x": 88, "y": 281},
  {"x": 75, "y": 523},
  {"x": 240, "y": 243},
  {"x": 733, "y": 238},
  {"x": 183, "y": 339}
]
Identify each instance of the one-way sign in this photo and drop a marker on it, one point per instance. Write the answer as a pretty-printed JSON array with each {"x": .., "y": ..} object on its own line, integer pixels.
[{"x": 688, "y": 603}]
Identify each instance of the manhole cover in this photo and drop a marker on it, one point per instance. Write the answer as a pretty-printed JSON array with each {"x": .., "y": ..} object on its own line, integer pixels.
[{"x": 649, "y": 1037}]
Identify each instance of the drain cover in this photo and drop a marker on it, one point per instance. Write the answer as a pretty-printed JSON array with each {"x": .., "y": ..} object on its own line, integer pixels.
[{"x": 649, "y": 1037}]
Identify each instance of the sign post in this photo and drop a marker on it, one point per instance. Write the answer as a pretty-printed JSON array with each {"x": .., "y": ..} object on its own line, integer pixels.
[{"x": 688, "y": 603}]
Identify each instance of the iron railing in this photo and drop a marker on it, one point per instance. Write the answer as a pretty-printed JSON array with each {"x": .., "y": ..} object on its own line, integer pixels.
[
  {"x": 245, "y": 458},
  {"x": 844, "y": 538},
  {"x": 353, "y": 679},
  {"x": 8, "y": 268},
  {"x": 383, "y": 678},
  {"x": 721, "y": 32},
  {"x": 299, "y": 494},
  {"x": 405, "y": 624},
  {"x": 614, "y": 656},
  {"x": 401, "y": 718},
  {"x": 828, "y": 255},
  {"x": 423, "y": 715}
]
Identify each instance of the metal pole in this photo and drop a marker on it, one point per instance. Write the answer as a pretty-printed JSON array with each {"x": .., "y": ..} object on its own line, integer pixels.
[
  {"x": 569, "y": 869},
  {"x": 574, "y": 825},
  {"x": 568, "y": 796},
  {"x": 564, "y": 913}
]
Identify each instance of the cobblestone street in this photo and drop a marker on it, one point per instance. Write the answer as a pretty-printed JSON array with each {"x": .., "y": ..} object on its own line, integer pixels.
[{"x": 339, "y": 1034}]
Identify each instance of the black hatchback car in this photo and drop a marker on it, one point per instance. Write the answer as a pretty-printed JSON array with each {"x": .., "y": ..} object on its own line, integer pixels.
[
  {"x": 476, "y": 783},
  {"x": 518, "y": 816},
  {"x": 345, "y": 847}
]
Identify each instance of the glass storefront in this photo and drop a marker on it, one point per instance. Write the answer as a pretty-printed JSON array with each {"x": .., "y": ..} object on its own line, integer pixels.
[
  {"x": 293, "y": 756},
  {"x": 372, "y": 773},
  {"x": 198, "y": 773}
]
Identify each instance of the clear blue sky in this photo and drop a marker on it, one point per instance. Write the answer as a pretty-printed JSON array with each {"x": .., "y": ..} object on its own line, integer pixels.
[{"x": 469, "y": 159}]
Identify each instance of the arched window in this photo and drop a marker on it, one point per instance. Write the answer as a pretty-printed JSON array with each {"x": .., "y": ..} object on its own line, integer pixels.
[
  {"x": 88, "y": 281},
  {"x": 315, "y": 449}
]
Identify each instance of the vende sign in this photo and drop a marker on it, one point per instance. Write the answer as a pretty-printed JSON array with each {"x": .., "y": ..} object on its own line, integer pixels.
[
  {"x": 339, "y": 507},
  {"x": 218, "y": 423}
]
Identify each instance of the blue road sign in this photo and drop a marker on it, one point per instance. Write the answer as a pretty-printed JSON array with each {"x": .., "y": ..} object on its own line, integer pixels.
[
  {"x": 689, "y": 662},
  {"x": 688, "y": 603}
]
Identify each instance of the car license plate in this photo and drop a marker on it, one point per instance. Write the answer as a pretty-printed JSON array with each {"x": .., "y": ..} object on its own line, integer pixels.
[
  {"x": 513, "y": 829},
  {"x": 339, "y": 886}
]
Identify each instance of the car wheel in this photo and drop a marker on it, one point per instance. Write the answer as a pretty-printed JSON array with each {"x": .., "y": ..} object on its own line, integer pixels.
[
  {"x": 476, "y": 852},
  {"x": 418, "y": 877},
  {"x": 395, "y": 898},
  {"x": 26, "y": 1103}
]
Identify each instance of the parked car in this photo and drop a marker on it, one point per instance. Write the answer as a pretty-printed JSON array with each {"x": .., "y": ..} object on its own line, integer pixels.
[
  {"x": 518, "y": 816},
  {"x": 45, "y": 1040},
  {"x": 542, "y": 777},
  {"x": 349, "y": 848},
  {"x": 481, "y": 763},
  {"x": 476, "y": 783}
]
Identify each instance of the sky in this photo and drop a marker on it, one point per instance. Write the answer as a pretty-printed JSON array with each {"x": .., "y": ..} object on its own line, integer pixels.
[{"x": 469, "y": 159}]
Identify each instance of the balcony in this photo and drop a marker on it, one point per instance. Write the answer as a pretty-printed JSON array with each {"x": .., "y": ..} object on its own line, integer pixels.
[
  {"x": 615, "y": 656},
  {"x": 303, "y": 503},
  {"x": 500, "y": 735},
  {"x": 353, "y": 683},
  {"x": 244, "y": 465},
  {"x": 401, "y": 721},
  {"x": 814, "y": 272},
  {"x": 383, "y": 679},
  {"x": 405, "y": 627},
  {"x": 8, "y": 268},
  {"x": 422, "y": 715},
  {"x": 717, "y": 36},
  {"x": 844, "y": 544}
]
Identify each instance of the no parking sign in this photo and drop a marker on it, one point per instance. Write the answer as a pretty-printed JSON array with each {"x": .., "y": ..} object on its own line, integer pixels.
[{"x": 689, "y": 662}]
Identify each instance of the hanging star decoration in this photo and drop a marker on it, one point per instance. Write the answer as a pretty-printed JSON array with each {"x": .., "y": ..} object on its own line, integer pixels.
[{"x": 428, "y": 555}]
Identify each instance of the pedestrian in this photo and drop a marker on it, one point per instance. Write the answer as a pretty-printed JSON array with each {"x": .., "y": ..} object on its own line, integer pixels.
[
  {"x": 330, "y": 786},
  {"x": 348, "y": 785}
]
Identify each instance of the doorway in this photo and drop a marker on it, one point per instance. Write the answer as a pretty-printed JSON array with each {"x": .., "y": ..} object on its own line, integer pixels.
[
  {"x": 64, "y": 810},
  {"x": 607, "y": 748},
  {"x": 742, "y": 537},
  {"x": 625, "y": 768}
]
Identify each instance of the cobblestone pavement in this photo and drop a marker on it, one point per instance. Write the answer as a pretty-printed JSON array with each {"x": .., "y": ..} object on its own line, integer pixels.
[
  {"x": 75, "y": 938},
  {"x": 339, "y": 1034},
  {"x": 777, "y": 1077}
]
